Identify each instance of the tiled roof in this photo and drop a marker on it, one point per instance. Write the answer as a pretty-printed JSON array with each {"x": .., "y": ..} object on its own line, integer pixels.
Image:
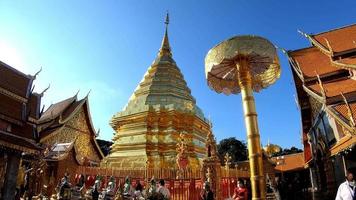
[
  {"x": 59, "y": 151},
  {"x": 14, "y": 81},
  {"x": 344, "y": 143},
  {"x": 349, "y": 60},
  {"x": 56, "y": 109},
  {"x": 70, "y": 109},
  {"x": 341, "y": 39},
  {"x": 343, "y": 110},
  {"x": 312, "y": 62},
  {"x": 289, "y": 162},
  {"x": 335, "y": 88}
]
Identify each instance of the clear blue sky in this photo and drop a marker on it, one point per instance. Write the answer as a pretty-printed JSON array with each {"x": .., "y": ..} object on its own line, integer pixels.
[{"x": 107, "y": 46}]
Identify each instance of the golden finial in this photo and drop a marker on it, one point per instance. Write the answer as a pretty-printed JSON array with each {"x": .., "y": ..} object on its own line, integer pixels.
[
  {"x": 167, "y": 19},
  {"x": 165, "y": 47}
]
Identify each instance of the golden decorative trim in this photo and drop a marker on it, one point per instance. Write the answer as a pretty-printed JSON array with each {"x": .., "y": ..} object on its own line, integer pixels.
[{"x": 343, "y": 65}]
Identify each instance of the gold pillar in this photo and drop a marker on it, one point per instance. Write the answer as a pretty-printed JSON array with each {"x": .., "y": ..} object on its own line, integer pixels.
[{"x": 258, "y": 183}]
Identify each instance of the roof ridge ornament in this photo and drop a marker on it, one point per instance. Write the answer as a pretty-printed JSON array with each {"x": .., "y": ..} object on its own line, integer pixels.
[
  {"x": 329, "y": 47},
  {"x": 349, "y": 110},
  {"x": 321, "y": 86},
  {"x": 293, "y": 62},
  {"x": 45, "y": 90}
]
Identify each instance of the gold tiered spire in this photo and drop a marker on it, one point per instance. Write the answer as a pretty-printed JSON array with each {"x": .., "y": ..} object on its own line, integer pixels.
[{"x": 160, "y": 109}]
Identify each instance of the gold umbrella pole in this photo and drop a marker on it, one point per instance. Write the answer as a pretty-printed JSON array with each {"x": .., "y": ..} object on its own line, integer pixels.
[{"x": 258, "y": 183}]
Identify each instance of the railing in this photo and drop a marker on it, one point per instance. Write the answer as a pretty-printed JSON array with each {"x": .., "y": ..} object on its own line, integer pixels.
[{"x": 187, "y": 186}]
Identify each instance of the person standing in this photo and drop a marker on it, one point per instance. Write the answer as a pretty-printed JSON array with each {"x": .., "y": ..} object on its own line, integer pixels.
[
  {"x": 207, "y": 194},
  {"x": 240, "y": 192},
  {"x": 163, "y": 190},
  {"x": 347, "y": 189}
]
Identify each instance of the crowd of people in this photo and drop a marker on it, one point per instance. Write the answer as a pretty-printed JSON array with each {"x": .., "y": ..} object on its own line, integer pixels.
[{"x": 156, "y": 190}]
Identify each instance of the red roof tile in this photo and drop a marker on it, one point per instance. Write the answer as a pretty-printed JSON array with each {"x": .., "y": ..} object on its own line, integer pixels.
[
  {"x": 335, "y": 88},
  {"x": 340, "y": 39},
  {"x": 311, "y": 61},
  {"x": 289, "y": 162},
  {"x": 343, "y": 110}
]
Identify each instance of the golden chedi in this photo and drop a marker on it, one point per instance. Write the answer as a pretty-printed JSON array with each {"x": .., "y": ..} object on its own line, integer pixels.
[{"x": 161, "y": 109}]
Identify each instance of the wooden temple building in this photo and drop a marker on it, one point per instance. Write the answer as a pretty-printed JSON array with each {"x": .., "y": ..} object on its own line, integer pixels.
[
  {"x": 37, "y": 148},
  {"x": 66, "y": 130},
  {"x": 158, "y": 112},
  {"x": 325, "y": 80},
  {"x": 19, "y": 110}
]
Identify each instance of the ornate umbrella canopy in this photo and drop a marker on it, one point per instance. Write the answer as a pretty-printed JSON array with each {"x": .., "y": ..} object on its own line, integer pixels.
[{"x": 222, "y": 63}]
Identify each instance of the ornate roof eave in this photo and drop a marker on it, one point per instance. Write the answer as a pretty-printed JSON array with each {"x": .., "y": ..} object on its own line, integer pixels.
[
  {"x": 294, "y": 64},
  {"x": 91, "y": 126},
  {"x": 86, "y": 103},
  {"x": 63, "y": 121},
  {"x": 343, "y": 65},
  {"x": 72, "y": 100},
  {"x": 317, "y": 44},
  {"x": 332, "y": 112},
  {"x": 67, "y": 151},
  {"x": 321, "y": 99}
]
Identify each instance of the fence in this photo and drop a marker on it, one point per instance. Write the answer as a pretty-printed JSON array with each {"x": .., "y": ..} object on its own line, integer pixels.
[{"x": 187, "y": 186}]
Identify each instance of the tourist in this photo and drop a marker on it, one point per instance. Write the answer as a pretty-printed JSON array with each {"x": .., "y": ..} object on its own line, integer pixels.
[
  {"x": 153, "y": 186},
  {"x": 163, "y": 190},
  {"x": 240, "y": 192},
  {"x": 64, "y": 188},
  {"x": 128, "y": 189},
  {"x": 95, "y": 192},
  {"x": 138, "y": 191},
  {"x": 207, "y": 194},
  {"x": 347, "y": 189}
]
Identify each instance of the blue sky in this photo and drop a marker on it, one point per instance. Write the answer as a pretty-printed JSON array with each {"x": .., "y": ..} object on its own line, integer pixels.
[{"x": 107, "y": 46}]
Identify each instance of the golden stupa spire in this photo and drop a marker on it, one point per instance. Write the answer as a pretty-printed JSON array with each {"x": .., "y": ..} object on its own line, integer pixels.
[{"x": 165, "y": 49}]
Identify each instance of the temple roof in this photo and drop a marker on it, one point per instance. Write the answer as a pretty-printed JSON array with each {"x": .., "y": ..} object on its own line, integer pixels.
[
  {"x": 290, "y": 162},
  {"x": 325, "y": 79},
  {"x": 15, "y": 81},
  {"x": 56, "y": 109},
  {"x": 335, "y": 88},
  {"x": 312, "y": 61},
  {"x": 343, "y": 110},
  {"x": 320, "y": 72},
  {"x": 163, "y": 86},
  {"x": 340, "y": 39},
  {"x": 58, "y": 114},
  {"x": 19, "y": 109}
]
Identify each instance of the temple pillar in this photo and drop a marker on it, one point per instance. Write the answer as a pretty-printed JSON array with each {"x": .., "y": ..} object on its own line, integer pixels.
[{"x": 12, "y": 168}]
